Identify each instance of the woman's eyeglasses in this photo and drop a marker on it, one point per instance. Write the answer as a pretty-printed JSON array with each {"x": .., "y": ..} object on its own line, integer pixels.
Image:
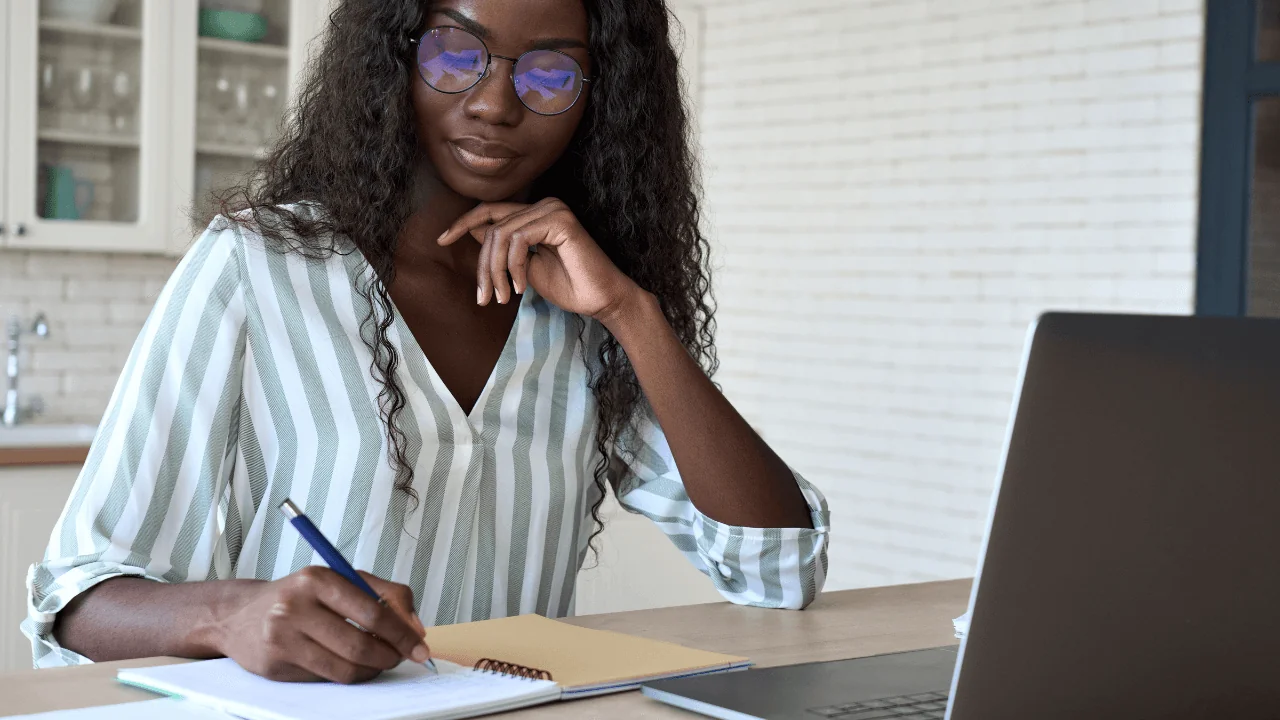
[{"x": 452, "y": 60}]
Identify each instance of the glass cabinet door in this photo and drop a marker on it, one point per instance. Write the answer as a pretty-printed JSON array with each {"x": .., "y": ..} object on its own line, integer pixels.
[
  {"x": 87, "y": 120},
  {"x": 232, "y": 93}
]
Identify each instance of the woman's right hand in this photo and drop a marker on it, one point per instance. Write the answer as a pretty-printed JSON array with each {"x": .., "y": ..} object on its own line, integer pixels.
[{"x": 296, "y": 629}]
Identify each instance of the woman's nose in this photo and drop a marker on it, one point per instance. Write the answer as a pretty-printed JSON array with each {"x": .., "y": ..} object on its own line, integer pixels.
[{"x": 493, "y": 100}]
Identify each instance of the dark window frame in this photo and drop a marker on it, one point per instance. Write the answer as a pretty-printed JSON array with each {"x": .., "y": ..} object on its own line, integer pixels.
[{"x": 1233, "y": 80}]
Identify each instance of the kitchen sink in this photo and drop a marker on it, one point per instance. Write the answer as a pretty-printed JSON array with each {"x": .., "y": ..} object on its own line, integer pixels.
[{"x": 46, "y": 435}]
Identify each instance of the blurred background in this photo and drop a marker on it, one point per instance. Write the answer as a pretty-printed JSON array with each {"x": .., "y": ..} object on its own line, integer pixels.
[{"x": 894, "y": 190}]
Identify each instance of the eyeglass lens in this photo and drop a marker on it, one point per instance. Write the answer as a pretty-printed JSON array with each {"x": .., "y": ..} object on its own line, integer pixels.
[{"x": 453, "y": 60}]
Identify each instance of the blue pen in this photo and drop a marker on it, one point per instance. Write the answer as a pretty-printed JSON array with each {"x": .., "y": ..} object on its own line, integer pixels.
[{"x": 332, "y": 557}]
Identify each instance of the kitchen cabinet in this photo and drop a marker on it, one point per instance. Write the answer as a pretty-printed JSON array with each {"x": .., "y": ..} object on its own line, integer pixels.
[
  {"x": 115, "y": 127},
  {"x": 31, "y": 499}
]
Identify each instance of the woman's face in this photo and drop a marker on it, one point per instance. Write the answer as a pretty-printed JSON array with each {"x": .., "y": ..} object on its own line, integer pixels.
[{"x": 483, "y": 142}]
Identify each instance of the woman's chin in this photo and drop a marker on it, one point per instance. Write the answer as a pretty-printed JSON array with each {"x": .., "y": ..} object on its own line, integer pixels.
[{"x": 482, "y": 189}]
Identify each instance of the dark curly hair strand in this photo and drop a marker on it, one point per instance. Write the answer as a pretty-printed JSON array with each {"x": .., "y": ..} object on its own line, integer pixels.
[{"x": 349, "y": 145}]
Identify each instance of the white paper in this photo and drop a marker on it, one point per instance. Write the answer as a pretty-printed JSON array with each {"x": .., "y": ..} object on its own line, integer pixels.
[
  {"x": 409, "y": 692},
  {"x": 961, "y": 625},
  {"x": 164, "y": 709}
]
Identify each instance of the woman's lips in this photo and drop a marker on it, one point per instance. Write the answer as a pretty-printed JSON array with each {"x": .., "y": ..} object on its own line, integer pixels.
[{"x": 481, "y": 157}]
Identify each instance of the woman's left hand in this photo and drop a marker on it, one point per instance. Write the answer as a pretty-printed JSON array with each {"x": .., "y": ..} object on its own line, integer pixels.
[{"x": 545, "y": 246}]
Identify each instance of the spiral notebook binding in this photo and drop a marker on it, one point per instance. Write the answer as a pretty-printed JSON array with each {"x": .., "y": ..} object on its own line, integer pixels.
[{"x": 506, "y": 668}]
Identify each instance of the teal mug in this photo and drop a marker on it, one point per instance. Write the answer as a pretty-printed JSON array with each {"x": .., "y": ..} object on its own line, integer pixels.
[{"x": 62, "y": 197}]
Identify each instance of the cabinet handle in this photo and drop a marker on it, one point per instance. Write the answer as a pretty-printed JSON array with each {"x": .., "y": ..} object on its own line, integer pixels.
[{"x": 20, "y": 230}]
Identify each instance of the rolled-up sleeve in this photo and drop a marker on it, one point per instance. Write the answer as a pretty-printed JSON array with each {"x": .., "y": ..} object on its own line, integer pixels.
[
  {"x": 764, "y": 567},
  {"x": 147, "y": 501}
]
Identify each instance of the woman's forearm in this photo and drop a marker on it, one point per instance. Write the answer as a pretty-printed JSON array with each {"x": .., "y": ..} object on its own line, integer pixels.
[
  {"x": 731, "y": 475},
  {"x": 130, "y": 617},
  {"x": 294, "y": 628}
]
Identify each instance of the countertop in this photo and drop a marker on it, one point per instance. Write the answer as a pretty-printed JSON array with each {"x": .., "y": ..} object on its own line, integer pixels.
[
  {"x": 45, "y": 444},
  {"x": 56, "y": 455}
]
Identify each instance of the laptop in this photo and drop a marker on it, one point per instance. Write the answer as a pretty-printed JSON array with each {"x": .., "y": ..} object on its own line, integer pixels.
[{"x": 1131, "y": 566}]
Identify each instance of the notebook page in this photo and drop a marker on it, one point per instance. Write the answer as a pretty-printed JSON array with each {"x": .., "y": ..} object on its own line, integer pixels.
[{"x": 409, "y": 692}]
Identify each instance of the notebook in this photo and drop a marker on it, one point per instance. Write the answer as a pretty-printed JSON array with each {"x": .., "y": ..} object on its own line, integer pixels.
[
  {"x": 488, "y": 666},
  {"x": 581, "y": 661},
  {"x": 407, "y": 692}
]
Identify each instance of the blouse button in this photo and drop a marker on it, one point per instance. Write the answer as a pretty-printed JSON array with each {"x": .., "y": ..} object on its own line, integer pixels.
[{"x": 725, "y": 570}]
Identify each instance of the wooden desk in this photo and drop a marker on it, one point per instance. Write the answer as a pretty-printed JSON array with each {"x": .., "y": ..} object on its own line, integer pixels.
[{"x": 851, "y": 623}]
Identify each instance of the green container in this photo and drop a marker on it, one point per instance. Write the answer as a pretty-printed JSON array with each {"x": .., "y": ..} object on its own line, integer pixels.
[
  {"x": 232, "y": 25},
  {"x": 62, "y": 198}
]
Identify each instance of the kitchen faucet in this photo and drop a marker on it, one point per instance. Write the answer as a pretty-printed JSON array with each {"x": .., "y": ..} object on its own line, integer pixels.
[{"x": 13, "y": 411}]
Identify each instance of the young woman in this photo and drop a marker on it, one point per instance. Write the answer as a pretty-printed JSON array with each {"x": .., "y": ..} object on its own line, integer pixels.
[{"x": 467, "y": 291}]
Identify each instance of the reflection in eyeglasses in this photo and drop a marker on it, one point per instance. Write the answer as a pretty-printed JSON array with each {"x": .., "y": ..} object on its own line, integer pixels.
[
  {"x": 546, "y": 82},
  {"x": 462, "y": 65}
]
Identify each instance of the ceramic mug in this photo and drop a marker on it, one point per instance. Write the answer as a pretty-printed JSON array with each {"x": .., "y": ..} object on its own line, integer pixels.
[{"x": 61, "y": 194}]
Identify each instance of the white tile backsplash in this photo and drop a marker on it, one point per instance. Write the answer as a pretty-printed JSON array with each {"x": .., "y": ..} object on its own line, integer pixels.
[{"x": 96, "y": 304}]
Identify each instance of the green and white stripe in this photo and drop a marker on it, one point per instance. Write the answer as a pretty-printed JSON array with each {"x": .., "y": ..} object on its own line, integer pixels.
[{"x": 250, "y": 383}]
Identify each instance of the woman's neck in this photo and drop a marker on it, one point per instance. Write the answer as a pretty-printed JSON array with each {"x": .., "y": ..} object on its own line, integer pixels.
[{"x": 435, "y": 207}]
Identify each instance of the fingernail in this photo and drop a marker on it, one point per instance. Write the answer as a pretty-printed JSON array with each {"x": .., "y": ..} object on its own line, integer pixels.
[
  {"x": 479, "y": 296},
  {"x": 420, "y": 654}
]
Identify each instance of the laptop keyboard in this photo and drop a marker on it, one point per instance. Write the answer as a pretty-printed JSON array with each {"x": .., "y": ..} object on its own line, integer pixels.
[{"x": 924, "y": 706}]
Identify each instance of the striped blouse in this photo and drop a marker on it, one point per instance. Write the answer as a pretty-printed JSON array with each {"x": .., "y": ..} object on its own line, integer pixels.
[{"x": 250, "y": 383}]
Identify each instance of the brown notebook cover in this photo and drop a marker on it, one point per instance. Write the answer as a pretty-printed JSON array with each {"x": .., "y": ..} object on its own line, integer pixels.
[{"x": 580, "y": 660}]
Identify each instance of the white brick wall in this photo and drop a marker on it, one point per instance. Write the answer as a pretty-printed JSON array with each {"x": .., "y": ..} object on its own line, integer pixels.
[
  {"x": 895, "y": 189},
  {"x": 96, "y": 304}
]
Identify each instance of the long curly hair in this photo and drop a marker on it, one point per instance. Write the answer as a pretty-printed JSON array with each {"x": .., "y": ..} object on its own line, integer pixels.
[{"x": 629, "y": 174}]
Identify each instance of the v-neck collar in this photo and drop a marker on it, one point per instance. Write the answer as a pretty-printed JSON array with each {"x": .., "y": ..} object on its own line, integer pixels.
[
  {"x": 471, "y": 420},
  {"x": 468, "y": 421}
]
